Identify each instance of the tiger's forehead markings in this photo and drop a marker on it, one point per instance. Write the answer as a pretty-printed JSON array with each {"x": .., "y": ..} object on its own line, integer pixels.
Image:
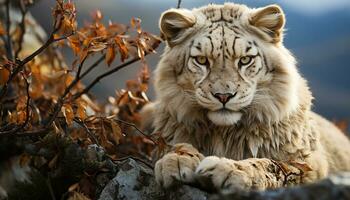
[
  {"x": 249, "y": 46},
  {"x": 235, "y": 29},
  {"x": 223, "y": 46},
  {"x": 198, "y": 46},
  {"x": 225, "y": 14},
  {"x": 213, "y": 28},
  {"x": 211, "y": 43},
  {"x": 222, "y": 37},
  {"x": 222, "y": 30}
]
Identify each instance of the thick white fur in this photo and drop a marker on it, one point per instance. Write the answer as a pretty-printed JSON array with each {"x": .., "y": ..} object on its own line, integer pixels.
[
  {"x": 225, "y": 119},
  {"x": 269, "y": 118}
]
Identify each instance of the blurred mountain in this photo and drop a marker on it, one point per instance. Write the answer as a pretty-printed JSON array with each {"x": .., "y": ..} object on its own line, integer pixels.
[{"x": 322, "y": 46}]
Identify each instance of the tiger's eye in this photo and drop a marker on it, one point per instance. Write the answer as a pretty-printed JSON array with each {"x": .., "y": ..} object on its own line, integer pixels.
[
  {"x": 245, "y": 60},
  {"x": 202, "y": 60}
]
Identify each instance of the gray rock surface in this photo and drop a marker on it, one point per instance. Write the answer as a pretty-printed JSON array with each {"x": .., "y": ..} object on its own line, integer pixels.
[
  {"x": 335, "y": 187},
  {"x": 135, "y": 180}
]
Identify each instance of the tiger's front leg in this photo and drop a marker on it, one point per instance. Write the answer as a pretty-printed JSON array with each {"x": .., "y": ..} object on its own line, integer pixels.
[
  {"x": 178, "y": 165},
  {"x": 253, "y": 173}
]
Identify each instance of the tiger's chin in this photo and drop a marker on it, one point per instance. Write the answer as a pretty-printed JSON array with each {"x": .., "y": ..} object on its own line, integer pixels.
[{"x": 224, "y": 117}]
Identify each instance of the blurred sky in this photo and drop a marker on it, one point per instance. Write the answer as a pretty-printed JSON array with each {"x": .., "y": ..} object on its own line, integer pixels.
[{"x": 318, "y": 33}]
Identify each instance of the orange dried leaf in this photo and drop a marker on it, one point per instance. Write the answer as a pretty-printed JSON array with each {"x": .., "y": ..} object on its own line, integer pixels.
[
  {"x": 57, "y": 130},
  {"x": 117, "y": 28},
  {"x": 87, "y": 186},
  {"x": 69, "y": 79},
  {"x": 21, "y": 103},
  {"x": 180, "y": 151},
  {"x": 2, "y": 30},
  {"x": 73, "y": 187},
  {"x": 116, "y": 132},
  {"x": 122, "y": 46},
  {"x": 161, "y": 143},
  {"x": 4, "y": 76},
  {"x": 303, "y": 166},
  {"x": 124, "y": 99},
  {"x": 74, "y": 44},
  {"x": 53, "y": 162},
  {"x": 60, "y": 42},
  {"x": 342, "y": 125},
  {"x": 133, "y": 22},
  {"x": 97, "y": 47},
  {"x": 67, "y": 111},
  {"x": 21, "y": 117},
  {"x": 110, "y": 55},
  {"x": 24, "y": 159},
  {"x": 78, "y": 196},
  {"x": 285, "y": 167},
  {"x": 140, "y": 51},
  {"x": 36, "y": 90},
  {"x": 11, "y": 117},
  {"x": 143, "y": 87},
  {"x": 67, "y": 26},
  {"x": 97, "y": 15},
  {"x": 136, "y": 23},
  {"x": 144, "y": 96},
  {"x": 132, "y": 85},
  {"x": 36, "y": 116},
  {"x": 83, "y": 54},
  {"x": 81, "y": 110},
  {"x": 56, "y": 74},
  {"x": 16, "y": 34}
]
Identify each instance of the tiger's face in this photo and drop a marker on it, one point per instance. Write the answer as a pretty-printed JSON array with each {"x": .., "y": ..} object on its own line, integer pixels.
[
  {"x": 221, "y": 57},
  {"x": 225, "y": 66}
]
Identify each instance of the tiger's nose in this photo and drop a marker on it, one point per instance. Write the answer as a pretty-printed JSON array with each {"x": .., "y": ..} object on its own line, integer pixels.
[{"x": 224, "y": 97}]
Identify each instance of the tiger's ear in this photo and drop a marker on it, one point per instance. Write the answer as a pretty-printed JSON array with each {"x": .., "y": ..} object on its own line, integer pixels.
[
  {"x": 270, "y": 22},
  {"x": 174, "y": 22}
]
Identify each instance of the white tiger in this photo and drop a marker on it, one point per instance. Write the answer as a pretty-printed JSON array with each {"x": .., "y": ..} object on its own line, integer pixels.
[{"x": 231, "y": 101}]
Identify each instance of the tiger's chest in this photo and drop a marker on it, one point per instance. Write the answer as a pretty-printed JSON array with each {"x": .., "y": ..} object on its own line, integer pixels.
[{"x": 238, "y": 143}]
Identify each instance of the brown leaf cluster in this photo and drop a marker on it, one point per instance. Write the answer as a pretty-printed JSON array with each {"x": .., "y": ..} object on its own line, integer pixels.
[
  {"x": 343, "y": 125},
  {"x": 113, "y": 39}
]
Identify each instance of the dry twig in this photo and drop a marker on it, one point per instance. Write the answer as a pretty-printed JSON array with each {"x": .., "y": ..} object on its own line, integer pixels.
[{"x": 179, "y": 4}]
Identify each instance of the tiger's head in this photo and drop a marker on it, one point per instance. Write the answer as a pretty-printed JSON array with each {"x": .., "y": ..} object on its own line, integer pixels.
[{"x": 227, "y": 61}]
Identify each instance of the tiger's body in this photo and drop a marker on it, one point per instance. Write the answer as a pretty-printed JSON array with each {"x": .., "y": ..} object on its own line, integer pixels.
[{"x": 229, "y": 95}]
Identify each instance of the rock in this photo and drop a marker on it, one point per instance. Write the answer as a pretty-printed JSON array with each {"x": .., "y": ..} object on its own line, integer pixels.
[
  {"x": 135, "y": 180},
  {"x": 333, "y": 187}
]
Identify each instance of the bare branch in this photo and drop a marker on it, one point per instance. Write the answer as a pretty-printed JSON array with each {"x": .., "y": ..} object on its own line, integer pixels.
[
  {"x": 8, "y": 34},
  {"x": 179, "y": 3},
  {"x": 21, "y": 64},
  {"x": 39, "y": 132},
  {"x": 22, "y": 26},
  {"x": 56, "y": 109},
  {"x": 48, "y": 182},
  {"x": 137, "y": 129},
  {"x": 134, "y": 158},
  {"x": 63, "y": 37},
  {"x": 80, "y": 67},
  {"x": 50, "y": 41},
  {"x": 18, "y": 128},
  {"x": 95, "y": 64},
  {"x": 91, "y": 135},
  {"x": 100, "y": 77},
  {"x": 61, "y": 100}
]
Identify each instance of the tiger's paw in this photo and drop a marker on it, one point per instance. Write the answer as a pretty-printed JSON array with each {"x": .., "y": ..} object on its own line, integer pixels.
[
  {"x": 178, "y": 166},
  {"x": 222, "y": 174}
]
